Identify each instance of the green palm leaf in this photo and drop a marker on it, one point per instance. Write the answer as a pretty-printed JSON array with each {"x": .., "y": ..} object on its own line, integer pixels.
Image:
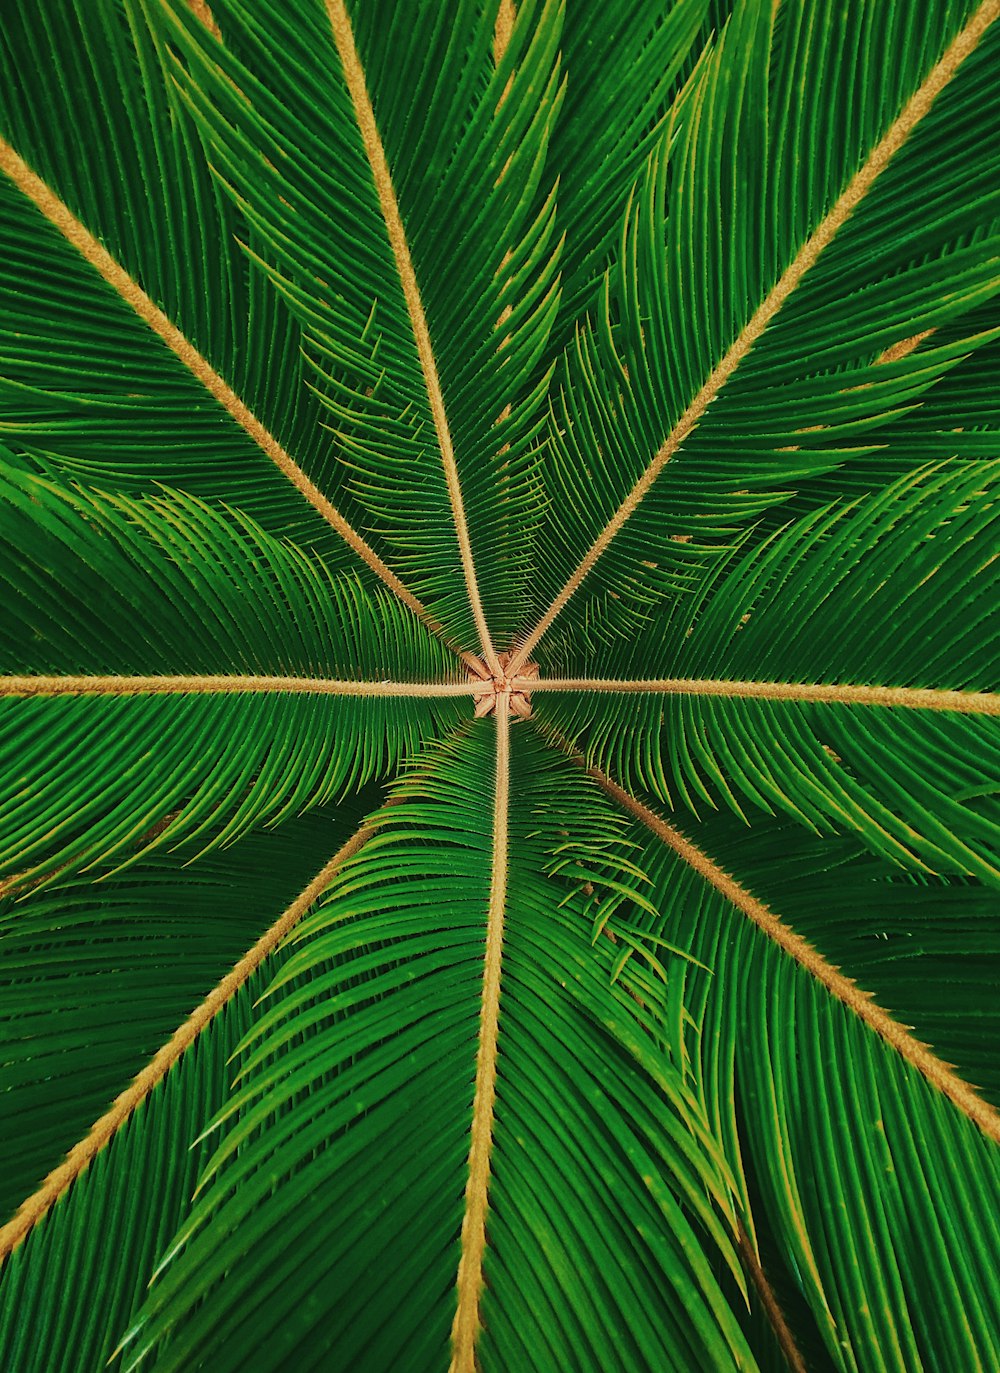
[
  {"x": 875, "y": 1154},
  {"x": 758, "y": 692},
  {"x": 499, "y": 755}
]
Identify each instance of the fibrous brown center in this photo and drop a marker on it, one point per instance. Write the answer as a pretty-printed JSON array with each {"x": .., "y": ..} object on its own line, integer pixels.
[{"x": 489, "y": 689}]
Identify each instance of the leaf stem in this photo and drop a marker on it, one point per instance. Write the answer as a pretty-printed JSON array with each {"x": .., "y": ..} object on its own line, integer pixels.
[
  {"x": 756, "y": 1274},
  {"x": 228, "y": 685},
  {"x": 466, "y": 1325},
  {"x": 842, "y": 693},
  {"x": 354, "y": 75}
]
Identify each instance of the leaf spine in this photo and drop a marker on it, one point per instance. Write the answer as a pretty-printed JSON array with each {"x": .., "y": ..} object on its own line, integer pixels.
[
  {"x": 357, "y": 85},
  {"x": 466, "y": 1325}
]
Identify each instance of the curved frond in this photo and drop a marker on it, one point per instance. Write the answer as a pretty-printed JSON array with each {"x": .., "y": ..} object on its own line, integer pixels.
[
  {"x": 846, "y": 601},
  {"x": 168, "y": 582},
  {"x": 424, "y": 337},
  {"x": 149, "y": 942},
  {"x": 869, "y": 1184},
  {"x": 677, "y": 395},
  {"x": 86, "y": 384},
  {"x": 126, "y": 1178},
  {"x": 382, "y": 997}
]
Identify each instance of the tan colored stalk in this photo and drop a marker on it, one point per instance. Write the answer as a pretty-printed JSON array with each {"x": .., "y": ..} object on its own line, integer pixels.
[
  {"x": 134, "y": 296},
  {"x": 357, "y": 85},
  {"x": 904, "y": 347},
  {"x": 223, "y": 685},
  {"x": 201, "y": 11},
  {"x": 756, "y": 1274},
  {"x": 503, "y": 29},
  {"x": 861, "y": 1003},
  {"x": 837, "y": 693},
  {"x": 102, "y": 1132},
  {"x": 916, "y": 108},
  {"x": 466, "y": 1325}
]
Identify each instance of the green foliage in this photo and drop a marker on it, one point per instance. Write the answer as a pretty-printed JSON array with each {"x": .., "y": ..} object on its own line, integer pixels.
[{"x": 345, "y": 350}]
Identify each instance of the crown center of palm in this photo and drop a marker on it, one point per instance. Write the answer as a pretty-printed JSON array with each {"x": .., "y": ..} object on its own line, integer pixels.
[{"x": 489, "y": 689}]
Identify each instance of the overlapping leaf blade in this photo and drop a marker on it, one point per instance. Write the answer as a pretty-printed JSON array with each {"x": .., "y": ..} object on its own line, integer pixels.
[
  {"x": 168, "y": 584},
  {"x": 847, "y": 596},
  {"x": 85, "y": 384},
  {"x": 726, "y": 350},
  {"x": 870, "y": 1183},
  {"x": 287, "y": 141},
  {"x": 379, "y": 1007}
]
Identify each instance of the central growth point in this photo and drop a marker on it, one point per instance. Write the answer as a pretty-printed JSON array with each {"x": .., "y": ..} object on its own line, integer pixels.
[{"x": 489, "y": 688}]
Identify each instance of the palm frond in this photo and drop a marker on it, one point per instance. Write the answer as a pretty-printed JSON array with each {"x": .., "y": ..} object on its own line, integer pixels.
[
  {"x": 721, "y": 385},
  {"x": 499, "y": 761},
  {"x": 870, "y": 1183},
  {"x": 811, "y": 674},
  {"x": 426, "y": 391},
  {"x": 87, "y": 386},
  {"x": 258, "y": 724},
  {"x": 381, "y": 998},
  {"x": 154, "y": 939}
]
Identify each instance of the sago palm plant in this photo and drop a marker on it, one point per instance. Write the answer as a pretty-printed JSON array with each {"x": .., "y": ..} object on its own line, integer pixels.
[{"x": 499, "y": 554}]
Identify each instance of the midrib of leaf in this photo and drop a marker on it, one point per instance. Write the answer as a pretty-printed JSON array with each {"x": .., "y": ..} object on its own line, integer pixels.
[
  {"x": 916, "y": 108},
  {"x": 103, "y": 1130},
  {"x": 860, "y": 1002},
  {"x": 503, "y": 30},
  {"x": 773, "y": 1311},
  {"x": 843, "y": 693},
  {"x": 465, "y": 1327},
  {"x": 58, "y": 214},
  {"x": 201, "y": 10},
  {"x": 357, "y": 85},
  {"x": 227, "y": 685}
]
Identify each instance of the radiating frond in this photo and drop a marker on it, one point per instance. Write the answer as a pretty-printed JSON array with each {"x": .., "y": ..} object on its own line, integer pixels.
[
  {"x": 379, "y": 1002},
  {"x": 153, "y": 940},
  {"x": 142, "y": 586},
  {"x": 121, "y": 1210},
  {"x": 329, "y": 156},
  {"x": 686, "y": 399},
  {"x": 848, "y": 598},
  {"x": 85, "y": 384},
  {"x": 869, "y": 1180}
]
